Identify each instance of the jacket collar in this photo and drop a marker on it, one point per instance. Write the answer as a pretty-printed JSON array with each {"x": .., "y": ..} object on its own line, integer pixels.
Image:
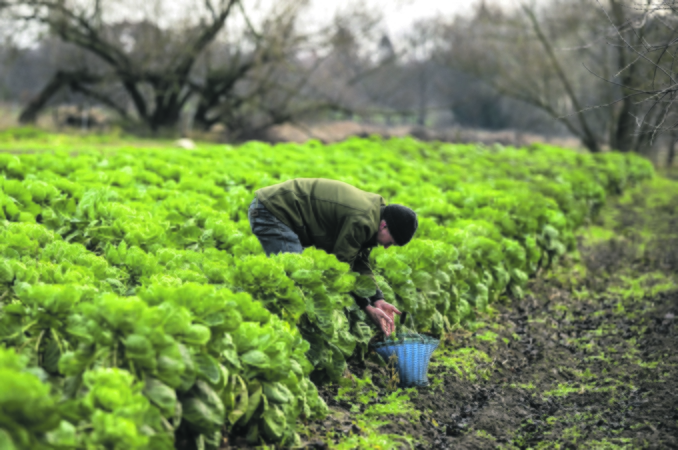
[
  {"x": 371, "y": 243},
  {"x": 373, "y": 240}
]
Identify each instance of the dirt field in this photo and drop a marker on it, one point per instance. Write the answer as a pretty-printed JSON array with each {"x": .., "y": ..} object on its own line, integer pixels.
[
  {"x": 54, "y": 121},
  {"x": 587, "y": 360},
  {"x": 341, "y": 130}
]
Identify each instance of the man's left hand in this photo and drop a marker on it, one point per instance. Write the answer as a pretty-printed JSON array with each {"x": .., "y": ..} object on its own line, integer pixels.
[{"x": 387, "y": 308}]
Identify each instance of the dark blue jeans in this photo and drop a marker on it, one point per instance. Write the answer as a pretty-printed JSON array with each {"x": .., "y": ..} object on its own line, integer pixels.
[{"x": 275, "y": 236}]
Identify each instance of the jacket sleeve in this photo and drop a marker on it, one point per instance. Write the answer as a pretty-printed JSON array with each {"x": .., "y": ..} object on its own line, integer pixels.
[
  {"x": 348, "y": 248},
  {"x": 362, "y": 266},
  {"x": 354, "y": 232}
]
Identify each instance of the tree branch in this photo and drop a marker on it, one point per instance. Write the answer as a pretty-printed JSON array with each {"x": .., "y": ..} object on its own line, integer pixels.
[
  {"x": 76, "y": 86},
  {"x": 187, "y": 59},
  {"x": 59, "y": 80},
  {"x": 588, "y": 137}
]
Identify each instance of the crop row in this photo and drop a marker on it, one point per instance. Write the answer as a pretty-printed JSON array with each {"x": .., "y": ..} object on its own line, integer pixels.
[{"x": 142, "y": 311}]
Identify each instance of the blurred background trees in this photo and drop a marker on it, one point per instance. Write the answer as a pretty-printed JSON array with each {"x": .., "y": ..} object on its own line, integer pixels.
[
  {"x": 577, "y": 61},
  {"x": 601, "y": 71}
]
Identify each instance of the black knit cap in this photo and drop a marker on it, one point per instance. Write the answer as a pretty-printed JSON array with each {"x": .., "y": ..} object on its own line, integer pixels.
[{"x": 401, "y": 222}]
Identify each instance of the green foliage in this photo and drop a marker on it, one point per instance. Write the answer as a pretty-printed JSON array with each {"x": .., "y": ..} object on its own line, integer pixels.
[
  {"x": 646, "y": 285},
  {"x": 372, "y": 412},
  {"x": 28, "y": 411},
  {"x": 136, "y": 304},
  {"x": 468, "y": 363}
]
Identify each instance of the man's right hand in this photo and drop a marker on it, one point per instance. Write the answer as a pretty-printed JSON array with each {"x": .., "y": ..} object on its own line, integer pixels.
[{"x": 381, "y": 319}]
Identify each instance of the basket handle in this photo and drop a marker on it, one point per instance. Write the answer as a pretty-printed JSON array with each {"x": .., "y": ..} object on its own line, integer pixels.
[
  {"x": 403, "y": 320},
  {"x": 406, "y": 318}
]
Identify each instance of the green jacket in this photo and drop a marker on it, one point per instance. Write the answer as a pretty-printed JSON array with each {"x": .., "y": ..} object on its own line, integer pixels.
[{"x": 330, "y": 215}]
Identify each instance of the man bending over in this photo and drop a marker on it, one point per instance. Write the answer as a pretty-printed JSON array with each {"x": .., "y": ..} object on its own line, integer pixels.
[{"x": 338, "y": 218}]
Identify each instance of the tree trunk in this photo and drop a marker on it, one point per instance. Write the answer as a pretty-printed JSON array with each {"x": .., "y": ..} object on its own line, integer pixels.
[
  {"x": 622, "y": 138},
  {"x": 421, "y": 116},
  {"x": 59, "y": 80},
  {"x": 623, "y": 133},
  {"x": 587, "y": 136},
  {"x": 672, "y": 148}
]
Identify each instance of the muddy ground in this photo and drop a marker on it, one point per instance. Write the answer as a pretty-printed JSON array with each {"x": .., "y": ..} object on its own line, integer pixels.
[{"x": 589, "y": 359}]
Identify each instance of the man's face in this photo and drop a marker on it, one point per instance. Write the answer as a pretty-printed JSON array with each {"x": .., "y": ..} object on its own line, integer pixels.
[{"x": 384, "y": 236}]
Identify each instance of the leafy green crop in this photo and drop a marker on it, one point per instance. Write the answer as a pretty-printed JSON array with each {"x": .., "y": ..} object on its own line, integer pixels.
[
  {"x": 28, "y": 411},
  {"x": 138, "y": 310}
]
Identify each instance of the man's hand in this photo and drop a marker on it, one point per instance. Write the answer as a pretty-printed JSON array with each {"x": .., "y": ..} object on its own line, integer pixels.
[
  {"x": 382, "y": 314},
  {"x": 383, "y": 320},
  {"x": 387, "y": 308}
]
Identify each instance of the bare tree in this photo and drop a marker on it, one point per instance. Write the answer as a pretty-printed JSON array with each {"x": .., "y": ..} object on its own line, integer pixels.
[
  {"x": 355, "y": 74},
  {"x": 546, "y": 58},
  {"x": 154, "y": 63},
  {"x": 248, "y": 88},
  {"x": 644, "y": 35},
  {"x": 223, "y": 66}
]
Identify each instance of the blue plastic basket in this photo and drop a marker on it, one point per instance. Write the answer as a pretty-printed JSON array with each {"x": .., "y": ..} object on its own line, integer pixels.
[{"x": 413, "y": 352}]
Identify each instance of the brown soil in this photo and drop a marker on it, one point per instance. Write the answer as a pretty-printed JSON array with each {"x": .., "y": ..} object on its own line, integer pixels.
[{"x": 341, "y": 130}]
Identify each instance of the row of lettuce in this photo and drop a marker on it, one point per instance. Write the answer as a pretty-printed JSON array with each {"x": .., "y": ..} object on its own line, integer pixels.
[{"x": 138, "y": 311}]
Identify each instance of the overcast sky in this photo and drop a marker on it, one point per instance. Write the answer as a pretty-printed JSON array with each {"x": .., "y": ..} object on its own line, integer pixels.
[
  {"x": 400, "y": 14},
  {"x": 400, "y": 17}
]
